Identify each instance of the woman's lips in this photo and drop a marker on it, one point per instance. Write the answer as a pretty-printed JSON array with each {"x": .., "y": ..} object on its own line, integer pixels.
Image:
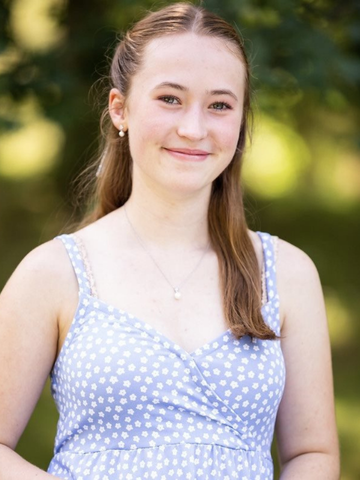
[{"x": 188, "y": 153}]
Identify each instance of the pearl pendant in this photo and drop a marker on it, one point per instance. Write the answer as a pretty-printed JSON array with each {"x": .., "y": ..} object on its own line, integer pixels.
[{"x": 177, "y": 294}]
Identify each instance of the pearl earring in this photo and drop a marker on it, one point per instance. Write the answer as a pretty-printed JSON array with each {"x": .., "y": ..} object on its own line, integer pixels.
[{"x": 121, "y": 131}]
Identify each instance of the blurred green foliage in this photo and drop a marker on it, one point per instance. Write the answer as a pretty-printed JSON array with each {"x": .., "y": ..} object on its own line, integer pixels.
[{"x": 306, "y": 74}]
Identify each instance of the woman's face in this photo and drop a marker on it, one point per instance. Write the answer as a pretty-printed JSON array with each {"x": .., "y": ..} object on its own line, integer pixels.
[{"x": 183, "y": 113}]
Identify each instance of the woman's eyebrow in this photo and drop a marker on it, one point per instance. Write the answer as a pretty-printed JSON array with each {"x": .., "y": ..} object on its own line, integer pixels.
[
  {"x": 224, "y": 92},
  {"x": 182, "y": 88},
  {"x": 171, "y": 85}
]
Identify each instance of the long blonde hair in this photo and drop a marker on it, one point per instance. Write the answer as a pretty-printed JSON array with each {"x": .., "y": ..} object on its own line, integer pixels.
[{"x": 239, "y": 270}]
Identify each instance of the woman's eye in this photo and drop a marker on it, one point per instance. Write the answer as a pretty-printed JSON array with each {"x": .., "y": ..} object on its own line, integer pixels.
[
  {"x": 220, "y": 106},
  {"x": 170, "y": 99}
]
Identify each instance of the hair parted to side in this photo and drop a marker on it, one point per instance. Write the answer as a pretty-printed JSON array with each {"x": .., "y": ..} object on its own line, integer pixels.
[{"x": 239, "y": 270}]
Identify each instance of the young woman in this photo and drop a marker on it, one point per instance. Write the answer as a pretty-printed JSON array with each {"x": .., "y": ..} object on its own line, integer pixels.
[{"x": 176, "y": 338}]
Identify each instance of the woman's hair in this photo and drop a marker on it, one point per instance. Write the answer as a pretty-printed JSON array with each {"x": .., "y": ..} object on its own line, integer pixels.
[{"x": 239, "y": 270}]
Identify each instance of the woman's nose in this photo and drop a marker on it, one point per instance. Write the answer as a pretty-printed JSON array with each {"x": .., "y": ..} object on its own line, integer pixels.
[{"x": 192, "y": 124}]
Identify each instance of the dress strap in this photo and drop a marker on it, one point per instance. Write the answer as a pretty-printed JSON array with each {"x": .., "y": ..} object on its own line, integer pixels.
[
  {"x": 268, "y": 274},
  {"x": 80, "y": 263}
]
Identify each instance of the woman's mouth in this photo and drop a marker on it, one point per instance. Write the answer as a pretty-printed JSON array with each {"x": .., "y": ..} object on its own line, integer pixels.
[{"x": 188, "y": 154}]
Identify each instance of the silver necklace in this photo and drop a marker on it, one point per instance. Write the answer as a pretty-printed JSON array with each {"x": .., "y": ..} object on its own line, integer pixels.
[{"x": 176, "y": 290}]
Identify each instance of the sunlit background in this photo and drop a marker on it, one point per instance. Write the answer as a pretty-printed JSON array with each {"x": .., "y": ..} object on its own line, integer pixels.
[{"x": 302, "y": 171}]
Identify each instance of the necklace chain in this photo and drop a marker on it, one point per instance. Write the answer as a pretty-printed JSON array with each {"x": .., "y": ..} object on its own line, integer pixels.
[{"x": 176, "y": 289}]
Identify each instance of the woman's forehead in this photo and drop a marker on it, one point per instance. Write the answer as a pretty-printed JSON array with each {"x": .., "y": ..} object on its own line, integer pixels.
[
  {"x": 189, "y": 53},
  {"x": 185, "y": 43}
]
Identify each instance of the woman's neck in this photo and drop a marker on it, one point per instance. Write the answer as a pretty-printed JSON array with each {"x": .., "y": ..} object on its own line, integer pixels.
[{"x": 169, "y": 221}]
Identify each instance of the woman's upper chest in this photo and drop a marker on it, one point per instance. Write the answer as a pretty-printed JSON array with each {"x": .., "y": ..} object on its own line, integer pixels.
[{"x": 135, "y": 285}]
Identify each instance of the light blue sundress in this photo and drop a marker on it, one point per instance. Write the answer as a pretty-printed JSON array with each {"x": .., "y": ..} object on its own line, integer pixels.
[{"x": 133, "y": 405}]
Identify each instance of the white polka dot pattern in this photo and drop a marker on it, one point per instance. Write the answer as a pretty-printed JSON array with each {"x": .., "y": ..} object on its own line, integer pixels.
[{"x": 134, "y": 405}]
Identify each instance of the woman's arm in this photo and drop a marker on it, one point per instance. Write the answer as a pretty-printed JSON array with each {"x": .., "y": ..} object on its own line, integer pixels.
[
  {"x": 14, "y": 467},
  {"x": 29, "y": 306},
  {"x": 306, "y": 428}
]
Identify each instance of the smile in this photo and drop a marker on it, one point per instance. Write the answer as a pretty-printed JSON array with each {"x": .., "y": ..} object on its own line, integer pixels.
[{"x": 188, "y": 154}]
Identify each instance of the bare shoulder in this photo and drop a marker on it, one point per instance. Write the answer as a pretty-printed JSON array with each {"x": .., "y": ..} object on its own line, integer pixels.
[
  {"x": 293, "y": 262},
  {"x": 44, "y": 275},
  {"x": 295, "y": 268},
  {"x": 298, "y": 281},
  {"x": 44, "y": 259}
]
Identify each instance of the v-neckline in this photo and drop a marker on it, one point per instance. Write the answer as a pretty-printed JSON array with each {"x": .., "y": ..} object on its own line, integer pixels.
[
  {"x": 108, "y": 308},
  {"x": 155, "y": 334}
]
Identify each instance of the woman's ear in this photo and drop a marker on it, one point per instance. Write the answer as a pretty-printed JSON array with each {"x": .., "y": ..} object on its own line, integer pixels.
[{"x": 117, "y": 109}]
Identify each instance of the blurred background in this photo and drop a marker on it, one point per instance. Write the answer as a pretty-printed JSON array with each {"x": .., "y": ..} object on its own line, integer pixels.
[{"x": 302, "y": 173}]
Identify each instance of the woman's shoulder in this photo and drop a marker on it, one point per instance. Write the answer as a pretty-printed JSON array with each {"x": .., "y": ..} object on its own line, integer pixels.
[
  {"x": 298, "y": 283},
  {"x": 44, "y": 275},
  {"x": 291, "y": 261},
  {"x": 45, "y": 260},
  {"x": 297, "y": 277}
]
